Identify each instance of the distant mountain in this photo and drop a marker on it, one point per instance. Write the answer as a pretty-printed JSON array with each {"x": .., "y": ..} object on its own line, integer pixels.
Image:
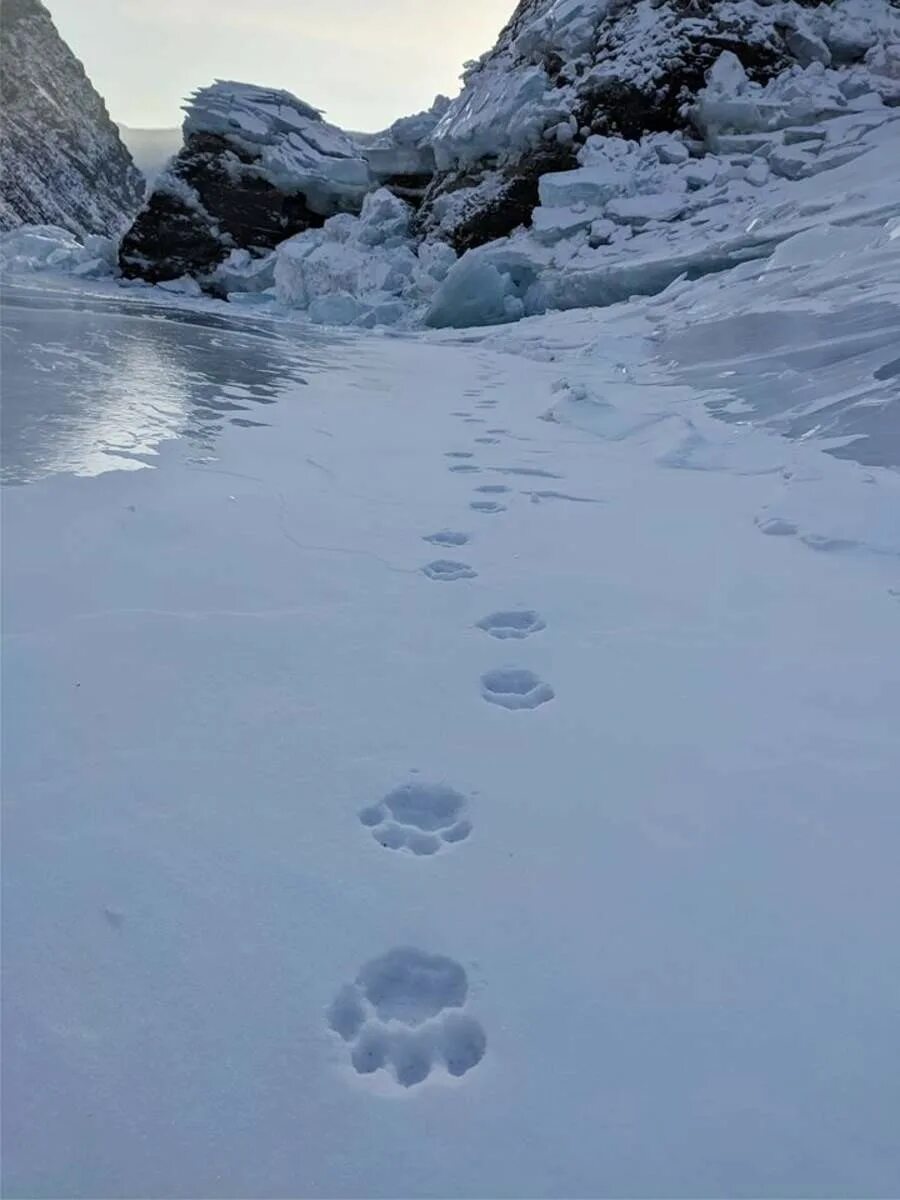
[
  {"x": 63, "y": 160},
  {"x": 151, "y": 149}
]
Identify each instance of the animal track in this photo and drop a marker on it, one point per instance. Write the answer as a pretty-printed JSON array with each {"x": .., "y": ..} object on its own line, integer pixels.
[
  {"x": 487, "y": 506},
  {"x": 488, "y": 441},
  {"x": 446, "y": 570},
  {"x": 418, "y": 817},
  {"x": 447, "y": 537},
  {"x": 515, "y": 688},
  {"x": 493, "y": 489},
  {"x": 465, "y": 469},
  {"x": 777, "y": 527},
  {"x": 458, "y": 454},
  {"x": 537, "y": 497},
  {"x": 537, "y": 472},
  {"x": 403, "y": 1015},
  {"x": 512, "y": 623}
]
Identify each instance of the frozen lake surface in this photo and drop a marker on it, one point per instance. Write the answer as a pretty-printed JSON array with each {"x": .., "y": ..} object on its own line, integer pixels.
[{"x": 406, "y": 795}]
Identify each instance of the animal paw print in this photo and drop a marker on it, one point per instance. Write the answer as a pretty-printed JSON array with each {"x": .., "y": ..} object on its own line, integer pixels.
[
  {"x": 403, "y": 1014},
  {"x": 515, "y": 688},
  {"x": 419, "y": 817},
  {"x": 512, "y": 623},
  {"x": 445, "y": 570}
]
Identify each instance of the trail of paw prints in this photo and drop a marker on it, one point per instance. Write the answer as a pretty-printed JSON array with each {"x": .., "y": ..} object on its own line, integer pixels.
[
  {"x": 486, "y": 505},
  {"x": 515, "y": 688},
  {"x": 779, "y": 527},
  {"x": 403, "y": 1015},
  {"x": 445, "y": 570},
  {"x": 421, "y": 818},
  {"x": 512, "y": 623}
]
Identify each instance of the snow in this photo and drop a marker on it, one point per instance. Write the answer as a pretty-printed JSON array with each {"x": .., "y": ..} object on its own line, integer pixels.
[{"x": 563, "y": 864}]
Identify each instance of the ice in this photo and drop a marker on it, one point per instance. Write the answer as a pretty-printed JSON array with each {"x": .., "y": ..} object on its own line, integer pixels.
[
  {"x": 49, "y": 247},
  {"x": 661, "y": 688},
  {"x": 507, "y": 112},
  {"x": 242, "y": 273},
  {"x": 488, "y": 286},
  {"x": 552, "y": 224},
  {"x": 638, "y": 210},
  {"x": 360, "y": 270},
  {"x": 405, "y": 148},
  {"x": 295, "y": 148}
]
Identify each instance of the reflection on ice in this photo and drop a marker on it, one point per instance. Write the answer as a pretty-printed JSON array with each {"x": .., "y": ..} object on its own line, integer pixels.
[{"x": 93, "y": 384}]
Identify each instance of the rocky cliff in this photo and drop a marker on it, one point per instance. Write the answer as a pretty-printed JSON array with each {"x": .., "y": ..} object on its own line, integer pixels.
[{"x": 63, "y": 160}]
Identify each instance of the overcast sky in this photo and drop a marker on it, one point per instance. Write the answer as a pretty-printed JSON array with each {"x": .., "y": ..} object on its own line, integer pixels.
[{"x": 365, "y": 62}]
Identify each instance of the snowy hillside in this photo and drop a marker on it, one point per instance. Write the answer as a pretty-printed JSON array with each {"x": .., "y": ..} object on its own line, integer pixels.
[{"x": 63, "y": 160}]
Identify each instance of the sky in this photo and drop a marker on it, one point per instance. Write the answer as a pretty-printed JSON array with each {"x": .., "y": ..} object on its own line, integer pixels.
[{"x": 365, "y": 62}]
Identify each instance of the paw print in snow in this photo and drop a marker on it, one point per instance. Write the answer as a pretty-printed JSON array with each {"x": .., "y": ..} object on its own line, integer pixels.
[
  {"x": 403, "y": 1014},
  {"x": 419, "y": 817}
]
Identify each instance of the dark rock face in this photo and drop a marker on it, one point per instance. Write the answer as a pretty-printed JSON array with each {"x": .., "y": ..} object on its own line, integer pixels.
[
  {"x": 492, "y": 211},
  {"x": 63, "y": 160},
  {"x": 209, "y": 202}
]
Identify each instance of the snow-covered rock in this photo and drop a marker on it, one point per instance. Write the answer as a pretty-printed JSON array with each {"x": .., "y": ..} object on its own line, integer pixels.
[
  {"x": 258, "y": 165},
  {"x": 564, "y": 70},
  {"x": 64, "y": 163}
]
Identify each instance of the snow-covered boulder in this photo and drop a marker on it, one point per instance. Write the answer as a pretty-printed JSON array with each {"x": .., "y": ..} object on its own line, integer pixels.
[
  {"x": 63, "y": 160},
  {"x": 258, "y": 166}
]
